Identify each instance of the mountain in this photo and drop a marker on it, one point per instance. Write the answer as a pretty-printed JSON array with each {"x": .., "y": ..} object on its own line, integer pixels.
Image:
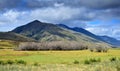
[
  {"x": 14, "y": 36},
  {"x": 42, "y": 31},
  {"x": 81, "y": 30},
  {"x": 111, "y": 40},
  {"x": 106, "y": 39}
]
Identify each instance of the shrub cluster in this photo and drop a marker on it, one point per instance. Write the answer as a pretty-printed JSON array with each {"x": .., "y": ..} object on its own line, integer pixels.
[
  {"x": 93, "y": 60},
  {"x": 10, "y": 62},
  {"x": 20, "y": 62},
  {"x": 58, "y": 45},
  {"x": 36, "y": 64},
  {"x": 114, "y": 59},
  {"x": 99, "y": 47},
  {"x": 76, "y": 62}
]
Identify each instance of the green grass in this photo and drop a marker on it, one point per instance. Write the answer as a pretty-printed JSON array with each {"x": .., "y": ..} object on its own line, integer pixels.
[
  {"x": 60, "y": 60},
  {"x": 56, "y": 57},
  {"x": 106, "y": 66}
]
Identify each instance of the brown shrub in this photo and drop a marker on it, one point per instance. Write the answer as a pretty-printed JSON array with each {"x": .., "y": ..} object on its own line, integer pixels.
[
  {"x": 99, "y": 47},
  {"x": 58, "y": 45}
]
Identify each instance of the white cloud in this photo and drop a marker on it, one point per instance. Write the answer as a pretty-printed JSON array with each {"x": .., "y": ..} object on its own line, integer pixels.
[
  {"x": 56, "y": 14},
  {"x": 12, "y": 19},
  {"x": 9, "y": 17},
  {"x": 50, "y": 14},
  {"x": 101, "y": 29}
]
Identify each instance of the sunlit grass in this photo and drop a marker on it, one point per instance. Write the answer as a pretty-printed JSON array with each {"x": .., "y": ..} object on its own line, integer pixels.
[
  {"x": 60, "y": 60},
  {"x": 6, "y": 44},
  {"x": 61, "y": 57}
]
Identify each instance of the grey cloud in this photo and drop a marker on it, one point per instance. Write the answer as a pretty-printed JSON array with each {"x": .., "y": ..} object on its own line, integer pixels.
[
  {"x": 66, "y": 10},
  {"x": 101, "y": 4},
  {"x": 8, "y": 4},
  {"x": 108, "y": 14},
  {"x": 91, "y": 8},
  {"x": 31, "y": 4},
  {"x": 95, "y": 4},
  {"x": 39, "y": 3}
]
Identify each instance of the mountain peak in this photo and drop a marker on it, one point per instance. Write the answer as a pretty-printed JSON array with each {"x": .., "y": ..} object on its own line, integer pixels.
[{"x": 37, "y": 21}]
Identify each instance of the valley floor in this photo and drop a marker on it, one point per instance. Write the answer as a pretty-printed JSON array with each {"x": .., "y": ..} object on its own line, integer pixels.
[{"x": 82, "y": 60}]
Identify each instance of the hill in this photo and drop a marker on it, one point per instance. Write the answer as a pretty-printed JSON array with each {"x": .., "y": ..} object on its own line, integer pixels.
[{"x": 14, "y": 36}]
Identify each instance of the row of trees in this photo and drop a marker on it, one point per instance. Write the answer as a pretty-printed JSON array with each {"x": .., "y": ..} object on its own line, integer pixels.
[
  {"x": 60, "y": 45},
  {"x": 54, "y": 45}
]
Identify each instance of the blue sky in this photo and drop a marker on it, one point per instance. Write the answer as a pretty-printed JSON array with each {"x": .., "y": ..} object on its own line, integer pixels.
[{"x": 101, "y": 17}]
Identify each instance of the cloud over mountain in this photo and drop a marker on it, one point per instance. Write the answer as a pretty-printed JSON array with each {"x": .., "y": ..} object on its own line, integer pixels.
[{"x": 78, "y": 13}]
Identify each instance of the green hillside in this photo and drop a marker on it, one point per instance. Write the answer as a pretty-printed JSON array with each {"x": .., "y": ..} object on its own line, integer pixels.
[
  {"x": 14, "y": 36},
  {"x": 41, "y": 31}
]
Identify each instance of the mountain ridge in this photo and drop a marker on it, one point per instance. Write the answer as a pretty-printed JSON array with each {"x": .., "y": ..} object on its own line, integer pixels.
[{"x": 106, "y": 39}]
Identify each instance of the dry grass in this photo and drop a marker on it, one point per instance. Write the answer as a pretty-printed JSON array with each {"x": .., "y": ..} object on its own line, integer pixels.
[{"x": 6, "y": 44}]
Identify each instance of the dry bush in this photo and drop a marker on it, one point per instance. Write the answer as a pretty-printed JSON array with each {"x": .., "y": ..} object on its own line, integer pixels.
[
  {"x": 58, "y": 45},
  {"x": 63, "y": 45},
  {"x": 99, "y": 47}
]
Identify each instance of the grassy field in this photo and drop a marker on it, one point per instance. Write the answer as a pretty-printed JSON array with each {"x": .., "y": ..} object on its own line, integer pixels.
[
  {"x": 81, "y": 60},
  {"x": 60, "y": 60},
  {"x": 56, "y": 57}
]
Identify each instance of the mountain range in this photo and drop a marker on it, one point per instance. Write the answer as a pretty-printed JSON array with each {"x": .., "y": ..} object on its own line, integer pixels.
[
  {"x": 42, "y": 32},
  {"x": 107, "y": 39}
]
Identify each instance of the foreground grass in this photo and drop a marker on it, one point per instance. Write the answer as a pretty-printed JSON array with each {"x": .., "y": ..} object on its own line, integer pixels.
[{"x": 106, "y": 66}]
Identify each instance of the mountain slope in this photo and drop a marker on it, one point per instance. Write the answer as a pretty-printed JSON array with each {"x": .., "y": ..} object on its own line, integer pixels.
[
  {"x": 81, "y": 30},
  {"x": 41, "y": 31},
  {"x": 111, "y": 40},
  {"x": 14, "y": 36},
  {"x": 105, "y": 39}
]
